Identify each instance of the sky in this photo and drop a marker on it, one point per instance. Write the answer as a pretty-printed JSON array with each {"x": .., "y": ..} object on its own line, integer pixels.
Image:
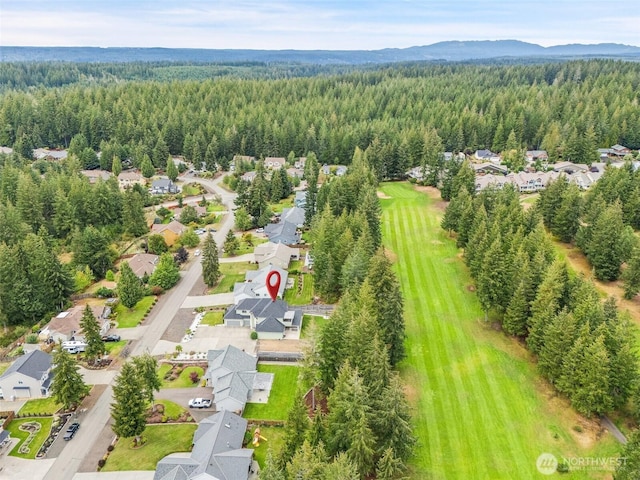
[{"x": 313, "y": 24}]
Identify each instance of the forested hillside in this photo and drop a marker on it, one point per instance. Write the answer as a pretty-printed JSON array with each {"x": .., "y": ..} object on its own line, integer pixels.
[{"x": 562, "y": 108}]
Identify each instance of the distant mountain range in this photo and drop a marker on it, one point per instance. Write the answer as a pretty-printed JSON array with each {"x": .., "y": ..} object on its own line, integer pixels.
[{"x": 442, "y": 51}]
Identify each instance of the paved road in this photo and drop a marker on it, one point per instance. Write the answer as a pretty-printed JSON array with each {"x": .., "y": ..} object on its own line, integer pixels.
[
  {"x": 68, "y": 463},
  {"x": 609, "y": 425}
]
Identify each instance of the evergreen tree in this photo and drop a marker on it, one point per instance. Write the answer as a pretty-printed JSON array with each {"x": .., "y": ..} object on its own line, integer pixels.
[
  {"x": 116, "y": 166},
  {"x": 166, "y": 274},
  {"x": 210, "y": 263},
  {"x": 631, "y": 276},
  {"x": 243, "y": 221},
  {"x": 67, "y": 386},
  {"x": 362, "y": 446},
  {"x": 465, "y": 178},
  {"x": 270, "y": 470},
  {"x": 370, "y": 206},
  {"x": 130, "y": 289},
  {"x": 156, "y": 244},
  {"x": 566, "y": 221},
  {"x": 130, "y": 404},
  {"x": 92, "y": 248},
  {"x": 146, "y": 167},
  {"x": 231, "y": 244},
  {"x": 91, "y": 331},
  {"x": 629, "y": 466},
  {"x": 515, "y": 318},
  {"x": 295, "y": 430},
  {"x": 172, "y": 170},
  {"x": 558, "y": 339},
  {"x": 317, "y": 430},
  {"x": 389, "y": 466},
  {"x": 147, "y": 368},
  {"x": 133, "y": 220}
]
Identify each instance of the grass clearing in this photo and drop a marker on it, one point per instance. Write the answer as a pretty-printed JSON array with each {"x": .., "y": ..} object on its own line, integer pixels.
[
  {"x": 36, "y": 442},
  {"x": 311, "y": 324},
  {"x": 171, "y": 409},
  {"x": 183, "y": 380},
  {"x": 232, "y": 273},
  {"x": 114, "y": 348},
  {"x": 480, "y": 409},
  {"x": 42, "y": 406},
  {"x": 129, "y": 318},
  {"x": 295, "y": 296},
  {"x": 161, "y": 440},
  {"x": 285, "y": 383}
]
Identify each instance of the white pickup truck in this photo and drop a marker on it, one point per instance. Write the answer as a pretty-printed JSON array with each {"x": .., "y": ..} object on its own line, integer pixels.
[
  {"x": 74, "y": 346},
  {"x": 199, "y": 403}
]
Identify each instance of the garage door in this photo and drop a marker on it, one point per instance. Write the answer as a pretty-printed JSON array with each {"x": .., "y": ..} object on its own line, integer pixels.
[{"x": 22, "y": 392}]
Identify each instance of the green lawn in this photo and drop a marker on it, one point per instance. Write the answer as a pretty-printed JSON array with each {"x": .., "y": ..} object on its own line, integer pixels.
[
  {"x": 274, "y": 441},
  {"x": 232, "y": 273},
  {"x": 216, "y": 207},
  {"x": 480, "y": 408},
  {"x": 305, "y": 296},
  {"x": 36, "y": 443},
  {"x": 128, "y": 318},
  {"x": 281, "y": 397},
  {"x": 44, "y": 406},
  {"x": 183, "y": 380},
  {"x": 3, "y": 367},
  {"x": 161, "y": 441},
  {"x": 114, "y": 348},
  {"x": 213, "y": 318},
  {"x": 311, "y": 323},
  {"x": 282, "y": 204},
  {"x": 171, "y": 409},
  {"x": 192, "y": 189}
]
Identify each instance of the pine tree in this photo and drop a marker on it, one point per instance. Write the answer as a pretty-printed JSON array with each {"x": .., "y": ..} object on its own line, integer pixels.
[
  {"x": 270, "y": 470},
  {"x": 629, "y": 465},
  {"x": 166, "y": 274},
  {"x": 317, "y": 429},
  {"x": 515, "y": 318},
  {"x": 116, "y": 166},
  {"x": 67, "y": 386},
  {"x": 558, "y": 339},
  {"x": 172, "y": 170},
  {"x": 295, "y": 430},
  {"x": 370, "y": 206},
  {"x": 631, "y": 276},
  {"x": 147, "y": 368},
  {"x": 91, "y": 331},
  {"x": 566, "y": 221},
  {"x": 146, "y": 167},
  {"x": 130, "y": 404},
  {"x": 231, "y": 244},
  {"x": 392, "y": 422},
  {"x": 605, "y": 248},
  {"x": 389, "y": 466},
  {"x": 210, "y": 262},
  {"x": 361, "y": 449},
  {"x": 133, "y": 219},
  {"x": 130, "y": 289}
]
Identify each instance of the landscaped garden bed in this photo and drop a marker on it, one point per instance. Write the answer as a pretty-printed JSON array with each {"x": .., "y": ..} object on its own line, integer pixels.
[{"x": 177, "y": 375}]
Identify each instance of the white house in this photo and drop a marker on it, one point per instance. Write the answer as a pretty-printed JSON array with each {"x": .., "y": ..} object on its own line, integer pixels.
[
  {"x": 28, "y": 377},
  {"x": 274, "y": 163},
  {"x": 276, "y": 254},
  {"x": 255, "y": 284}
]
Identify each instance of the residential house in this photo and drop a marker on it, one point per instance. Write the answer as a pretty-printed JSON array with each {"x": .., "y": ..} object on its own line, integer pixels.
[
  {"x": 326, "y": 169},
  {"x": 46, "y": 154},
  {"x": 255, "y": 284},
  {"x": 533, "y": 156},
  {"x": 28, "y": 377},
  {"x": 235, "y": 380},
  {"x": 283, "y": 232},
  {"x": 300, "y": 163},
  {"x": 143, "y": 263},
  {"x": 276, "y": 254},
  {"x": 163, "y": 186},
  {"x": 66, "y": 325},
  {"x": 170, "y": 231},
  {"x": 275, "y": 163},
  {"x": 487, "y": 156},
  {"x": 295, "y": 172},
  {"x": 490, "y": 180},
  {"x": 341, "y": 170},
  {"x": 417, "y": 173},
  {"x": 569, "y": 167},
  {"x": 488, "y": 167},
  {"x": 248, "y": 176},
  {"x": 6, "y": 150},
  {"x": 130, "y": 178},
  {"x": 450, "y": 156},
  {"x": 217, "y": 452},
  {"x": 529, "y": 182},
  {"x": 294, "y": 215},
  {"x": 95, "y": 175},
  {"x": 584, "y": 180},
  {"x": 300, "y": 200},
  {"x": 269, "y": 319}
]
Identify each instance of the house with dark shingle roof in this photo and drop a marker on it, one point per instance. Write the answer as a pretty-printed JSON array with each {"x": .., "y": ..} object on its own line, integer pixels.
[
  {"x": 163, "y": 186},
  {"x": 28, "y": 377},
  {"x": 255, "y": 283},
  {"x": 217, "y": 452},
  {"x": 283, "y": 232},
  {"x": 269, "y": 319}
]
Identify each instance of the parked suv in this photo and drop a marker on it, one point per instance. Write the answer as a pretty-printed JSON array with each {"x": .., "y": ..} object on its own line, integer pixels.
[
  {"x": 199, "y": 403},
  {"x": 111, "y": 338},
  {"x": 71, "y": 431}
]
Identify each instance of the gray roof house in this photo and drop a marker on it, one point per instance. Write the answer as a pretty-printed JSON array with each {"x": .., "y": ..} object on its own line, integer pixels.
[
  {"x": 162, "y": 186},
  {"x": 282, "y": 232},
  {"x": 217, "y": 452},
  {"x": 487, "y": 156},
  {"x": 232, "y": 374},
  {"x": 271, "y": 320},
  {"x": 277, "y": 254},
  {"x": 28, "y": 377},
  {"x": 300, "y": 199},
  {"x": 255, "y": 284},
  {"x": 294, "y": 215}
]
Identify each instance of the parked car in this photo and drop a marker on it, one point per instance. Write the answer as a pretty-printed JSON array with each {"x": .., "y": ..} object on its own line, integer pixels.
[
  {"x": 71, "y": 431},
  {"x": 199, "y": 403},
  {"x": 260, "y": 230},
  {"x": 196, "y": 253},
  {"x": 111, "y": 338},
  {"x": 199, "y": 231}
]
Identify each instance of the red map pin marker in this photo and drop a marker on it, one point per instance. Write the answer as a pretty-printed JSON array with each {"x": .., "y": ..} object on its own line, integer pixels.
[{"x": 273, "y": 287}]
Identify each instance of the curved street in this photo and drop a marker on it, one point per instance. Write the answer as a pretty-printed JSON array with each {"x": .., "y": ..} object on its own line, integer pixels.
[{"x": 98, "y": 418}]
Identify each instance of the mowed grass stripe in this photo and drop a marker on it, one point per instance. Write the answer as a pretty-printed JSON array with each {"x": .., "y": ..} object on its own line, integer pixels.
[{"x": 478, "y": 413}]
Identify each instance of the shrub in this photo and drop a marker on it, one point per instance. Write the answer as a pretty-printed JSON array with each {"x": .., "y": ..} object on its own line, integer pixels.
[
  {"x": 101, "y": 463},
  {"x": 194, "y": 377},
  {"x": 254, "y": 335},
  {"x": 562, "y": 467},
  {"x": 110, "y": 448},
  {"x": 31, "y": 338},
  {"x": 109, "y": 276},
  {"x": 577, "y": 428},
  {"x": 104, "y": 292},
  {"x": 164, "y": 419},
  {"x": 156, "y": 290}
]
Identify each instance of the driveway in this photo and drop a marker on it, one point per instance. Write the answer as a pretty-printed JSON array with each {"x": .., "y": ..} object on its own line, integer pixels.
[
  {"x": 208, "y": 338},
  {"x": 181, "y": 396},
  {"x": 247, "y": 257},
  {"x": 13, "y": 468},
  {"x": 215, "y": 300}
]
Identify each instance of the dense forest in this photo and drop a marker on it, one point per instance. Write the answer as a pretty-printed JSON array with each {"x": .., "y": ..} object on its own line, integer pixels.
[{"x": 564, "y": 108}]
